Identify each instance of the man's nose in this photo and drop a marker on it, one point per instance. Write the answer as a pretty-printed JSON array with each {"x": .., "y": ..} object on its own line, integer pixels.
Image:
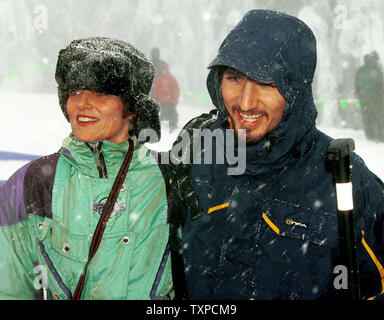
[{"x": 249, "y": 95}]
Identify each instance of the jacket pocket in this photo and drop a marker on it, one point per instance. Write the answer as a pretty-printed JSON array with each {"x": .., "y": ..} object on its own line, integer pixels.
[
  {"x": 63, "y": 254},
  {"x": 296, "y": 248}
]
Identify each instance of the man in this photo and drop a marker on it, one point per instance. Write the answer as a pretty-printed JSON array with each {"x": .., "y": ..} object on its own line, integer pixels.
[
  {"x": 369, "y": 87},
  {"x": 271, "y": 230},
  {"x": 166, "y": 92},
  {"x": 90, "y": 221}
]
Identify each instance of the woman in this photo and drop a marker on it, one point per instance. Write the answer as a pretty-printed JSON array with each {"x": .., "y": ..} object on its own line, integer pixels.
[{"x": 90, "y": 221}]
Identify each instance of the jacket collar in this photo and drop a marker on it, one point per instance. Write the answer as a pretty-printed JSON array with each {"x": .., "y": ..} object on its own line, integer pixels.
[
  {"x": 275, "y": 152},
  {"x": 81, "y": 156}
]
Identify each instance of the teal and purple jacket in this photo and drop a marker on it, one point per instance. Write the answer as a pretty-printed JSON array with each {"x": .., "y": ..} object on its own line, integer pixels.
[{"x": 48, "y": 212}]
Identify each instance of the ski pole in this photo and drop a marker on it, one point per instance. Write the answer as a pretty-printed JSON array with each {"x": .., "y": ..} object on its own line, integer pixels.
[{"x": 338, "y": 155}]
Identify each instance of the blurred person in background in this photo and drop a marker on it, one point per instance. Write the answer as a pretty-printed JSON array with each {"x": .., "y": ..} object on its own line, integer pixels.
[
  {"x": 156, "y": 61},
  {"x": 369, "y": 88},
  {"x": 166, "y": 91}
]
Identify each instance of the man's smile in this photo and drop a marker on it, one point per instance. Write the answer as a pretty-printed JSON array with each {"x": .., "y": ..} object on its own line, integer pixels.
[
  {"x": 249, "y": 120},
  {"x": 252, "y": 117}
]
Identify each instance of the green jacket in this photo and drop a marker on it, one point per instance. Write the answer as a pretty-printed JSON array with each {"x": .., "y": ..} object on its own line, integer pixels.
[{"x": 48, "y": 213}]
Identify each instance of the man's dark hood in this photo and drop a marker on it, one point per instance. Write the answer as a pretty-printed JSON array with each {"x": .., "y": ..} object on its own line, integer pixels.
[{"x": 269, "y": 46}]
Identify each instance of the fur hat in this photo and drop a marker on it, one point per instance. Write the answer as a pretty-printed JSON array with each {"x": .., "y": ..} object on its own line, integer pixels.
[{"x": 113, "y": 67}]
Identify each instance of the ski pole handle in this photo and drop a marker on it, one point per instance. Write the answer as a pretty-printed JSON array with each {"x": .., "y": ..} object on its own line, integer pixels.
[{"x": 338, "y": 156}]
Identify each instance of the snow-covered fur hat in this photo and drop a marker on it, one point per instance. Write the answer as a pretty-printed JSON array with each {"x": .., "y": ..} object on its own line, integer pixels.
[{"x": 113, "y": 67}]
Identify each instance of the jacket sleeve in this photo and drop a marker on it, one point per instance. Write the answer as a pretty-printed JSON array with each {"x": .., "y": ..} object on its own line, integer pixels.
[
  {"x": 17, "y": 265},
  {"x": 369, "y": 207},
  {"x": 179, "y": 172},
  {"x": 371, "y": 241}
]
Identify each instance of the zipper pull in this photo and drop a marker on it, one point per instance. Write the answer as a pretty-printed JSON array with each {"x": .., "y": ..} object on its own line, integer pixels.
[
  {"x": 290, "y": 222},
  {"x": 99, "y": 158}
]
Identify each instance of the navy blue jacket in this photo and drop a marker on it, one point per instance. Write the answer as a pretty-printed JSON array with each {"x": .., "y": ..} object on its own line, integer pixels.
[{"x": 272, "y": 232}]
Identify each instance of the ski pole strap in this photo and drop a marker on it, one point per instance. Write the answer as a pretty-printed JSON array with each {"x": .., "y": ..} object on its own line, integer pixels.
[{"x": 108, "y": 208}]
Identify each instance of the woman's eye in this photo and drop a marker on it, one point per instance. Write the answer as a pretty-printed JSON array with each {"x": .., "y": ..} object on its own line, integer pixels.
[{"x": 74, "y": 92}]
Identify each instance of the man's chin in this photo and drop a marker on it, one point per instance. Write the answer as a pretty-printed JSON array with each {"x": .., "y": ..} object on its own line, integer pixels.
[{"x": 250, "y": 140}]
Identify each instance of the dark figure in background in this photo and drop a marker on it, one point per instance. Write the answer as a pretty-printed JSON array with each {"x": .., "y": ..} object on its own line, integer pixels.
[
  {"x": 369, "y": 89},
  {"x": 155, "y": 59},
  {"x": 166, "y": 91}
]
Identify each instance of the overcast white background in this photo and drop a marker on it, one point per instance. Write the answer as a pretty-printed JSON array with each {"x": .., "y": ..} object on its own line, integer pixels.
[{"x": 188, "y": 34}]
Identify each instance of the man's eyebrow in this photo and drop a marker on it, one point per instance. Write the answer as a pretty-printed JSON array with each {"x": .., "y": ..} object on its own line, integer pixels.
[{"x": 234, "y": 72}]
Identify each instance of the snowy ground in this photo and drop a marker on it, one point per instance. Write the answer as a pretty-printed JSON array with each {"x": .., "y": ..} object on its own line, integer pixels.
[{"x": 34, "y": 124}]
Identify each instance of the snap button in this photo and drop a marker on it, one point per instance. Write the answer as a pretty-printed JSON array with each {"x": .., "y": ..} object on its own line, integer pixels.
[
  {"x": 125, "y": 240},
  {"x": 40, "y": 225},
  {"x": 56, "y": 296},
  {"x": 66, "y": 248},
  {"x": 122, "y": 187}
]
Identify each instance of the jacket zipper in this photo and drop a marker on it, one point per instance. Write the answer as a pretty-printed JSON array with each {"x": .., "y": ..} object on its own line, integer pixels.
[{"x": 99, "y": 158}]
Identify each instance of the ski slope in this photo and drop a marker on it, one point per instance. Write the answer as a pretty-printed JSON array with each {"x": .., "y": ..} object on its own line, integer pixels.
[{"x": 33, "y": 125}]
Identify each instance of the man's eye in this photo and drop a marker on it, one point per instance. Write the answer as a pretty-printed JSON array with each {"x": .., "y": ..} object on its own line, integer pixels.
[
  {"x": 234, "y": 77},
  {"x": 268, "y": 85},
  {"x": 100, "y": 94}
]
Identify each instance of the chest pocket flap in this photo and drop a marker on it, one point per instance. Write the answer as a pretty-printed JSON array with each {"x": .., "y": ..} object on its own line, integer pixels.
[
  {"x": 296, "y": 221},
  {"x": 69, "y": 245}
]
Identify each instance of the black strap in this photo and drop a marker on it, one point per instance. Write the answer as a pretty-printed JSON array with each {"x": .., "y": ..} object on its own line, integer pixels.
[
  {"x": 178, "y": 276},
  {"x": 176, "y": 221},
  {"x": 99, "y": 231}
]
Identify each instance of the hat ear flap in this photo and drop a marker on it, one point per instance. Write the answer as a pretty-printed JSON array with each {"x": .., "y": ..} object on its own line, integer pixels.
[{"x": 147, "y": 115}]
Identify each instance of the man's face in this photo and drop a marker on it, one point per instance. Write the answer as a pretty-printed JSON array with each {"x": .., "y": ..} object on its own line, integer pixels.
[
  {"x": 96, "y": 116},
  {"x": 253, "y": 106},
  {"x": 155, "y": 54}
]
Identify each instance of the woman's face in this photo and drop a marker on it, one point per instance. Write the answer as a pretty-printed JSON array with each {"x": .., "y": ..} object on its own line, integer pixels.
[{"x": 95, "y": 116}]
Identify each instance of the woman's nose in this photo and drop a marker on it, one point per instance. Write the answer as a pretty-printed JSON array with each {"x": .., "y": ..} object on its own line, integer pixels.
[{"x": 85, "y": 99}]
